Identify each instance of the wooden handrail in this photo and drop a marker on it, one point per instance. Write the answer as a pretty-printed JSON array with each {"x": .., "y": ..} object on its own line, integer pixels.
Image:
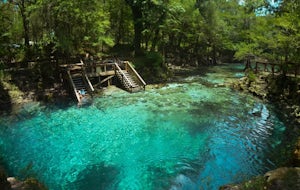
[
  {"x": 290, "y": 68},
  {"x": 128, "y": 65},
  {"x": 89, "y": 82}
]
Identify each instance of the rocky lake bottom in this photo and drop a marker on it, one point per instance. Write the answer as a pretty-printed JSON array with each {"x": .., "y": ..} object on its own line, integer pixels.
[{"x": 194, "y": 133}]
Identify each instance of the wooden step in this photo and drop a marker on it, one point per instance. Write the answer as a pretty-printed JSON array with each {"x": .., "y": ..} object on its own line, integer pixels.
[{"x": 127, "y": 81}]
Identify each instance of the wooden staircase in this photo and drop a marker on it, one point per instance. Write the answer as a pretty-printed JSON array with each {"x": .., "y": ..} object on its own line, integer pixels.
[
  {"x": 127, "y": 80},
  {"x": 77, "y": 76},
  {"x": 79, "y": 83},
  {"x": 81, "y": 86}
]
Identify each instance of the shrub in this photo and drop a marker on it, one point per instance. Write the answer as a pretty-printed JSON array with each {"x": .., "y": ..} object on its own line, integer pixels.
[
  {"x": 151, "y": 67},
  {"x": 251, "y": 75}
]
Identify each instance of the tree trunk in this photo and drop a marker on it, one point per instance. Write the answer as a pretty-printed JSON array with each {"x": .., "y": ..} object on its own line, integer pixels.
[
  {"x": 157, "y": 30},
  {"x": 155, "y": 40},
  {"x": 214, "y": 54},
  {"x": 25, "y": 21},
  {"x": 138, "y": 28}
]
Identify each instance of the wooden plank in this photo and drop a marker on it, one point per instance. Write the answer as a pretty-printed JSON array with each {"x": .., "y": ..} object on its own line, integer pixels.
[
  {"x": 89, "y": 82},
  {"x": 107, "y": 73},
  {"x": 106, "y": 79}
]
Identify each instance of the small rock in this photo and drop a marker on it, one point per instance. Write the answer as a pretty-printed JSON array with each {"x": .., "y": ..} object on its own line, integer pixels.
[
  {"x": 283, "y": 178},
  {"x": 15, "y": 184}
]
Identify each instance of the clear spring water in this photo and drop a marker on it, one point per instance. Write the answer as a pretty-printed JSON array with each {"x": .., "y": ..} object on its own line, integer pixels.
[{"x": 185, "y": 135}]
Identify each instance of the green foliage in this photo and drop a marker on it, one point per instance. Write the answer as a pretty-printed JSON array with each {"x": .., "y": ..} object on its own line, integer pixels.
[
  {"x": 251, "y": 75},
  {"x": 151, "y": 66},
  {"x": 121, "y": 26},
  {"x": 188, "y": 31},
  {"x": 122, "y": 50},
  {"x": 152, "y": 61}
]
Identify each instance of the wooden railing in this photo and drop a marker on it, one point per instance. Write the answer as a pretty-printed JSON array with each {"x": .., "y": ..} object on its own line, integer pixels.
[
  {"x": 266, "y": 67},
  {"x": 88, "y": 82},
  {"x": 97, "y": 69},
  {"x": 73, "y": 86},
  {"x": 289, "y": 69}
]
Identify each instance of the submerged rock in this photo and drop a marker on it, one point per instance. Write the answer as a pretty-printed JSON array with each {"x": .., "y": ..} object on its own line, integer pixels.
[
  {"x": 28, "y": 184},
  {"x": 278, "y": 179},
  {"x": 283, "y": 178},
  {"x": 296, "y": 156},
  {"x": 15, "y": 184},
  {"x": 12, "y": 183},
  {"x": 183, "y": 182}
]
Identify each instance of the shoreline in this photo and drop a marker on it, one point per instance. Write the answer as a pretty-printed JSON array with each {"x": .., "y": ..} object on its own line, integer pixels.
[
  {"x": 285, "y": 177},
  {"x": 263, "y": 89}
]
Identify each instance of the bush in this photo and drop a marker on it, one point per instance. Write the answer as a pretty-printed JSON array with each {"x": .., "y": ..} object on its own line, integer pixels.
[
  {"x": 251, "y": 75},
  {"x": 151, "y": 67},
  {"x": 122, "y": 50}
]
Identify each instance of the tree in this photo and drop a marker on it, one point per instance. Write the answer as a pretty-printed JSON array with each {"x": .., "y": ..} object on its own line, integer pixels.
[
  {"x": 287, "y": 24},
  {"x": 75, "y": 26},
  {"x": 147, "y": 16},
  {"x": 137, "y": 16},
  {"x": 23, "y": 5},
  {"x": 120, "y": 21},
  {"x": 222, "y": 35},
  {"x": 5, "y": 20}
]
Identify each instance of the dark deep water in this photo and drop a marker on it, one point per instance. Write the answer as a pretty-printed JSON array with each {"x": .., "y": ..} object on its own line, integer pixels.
[{"x": 191, "y": 134}]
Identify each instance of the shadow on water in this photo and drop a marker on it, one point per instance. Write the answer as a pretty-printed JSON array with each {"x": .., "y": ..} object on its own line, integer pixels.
[
  {"x": 160, "y": 177},
  {"x": 206, "y": 114},
  {"x": 182, "y": 175},
  {"x": 95, "y": 177}
]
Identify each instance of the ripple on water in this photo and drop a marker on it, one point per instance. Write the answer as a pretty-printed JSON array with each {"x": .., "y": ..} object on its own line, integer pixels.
[{"x": 181, "y": 136}]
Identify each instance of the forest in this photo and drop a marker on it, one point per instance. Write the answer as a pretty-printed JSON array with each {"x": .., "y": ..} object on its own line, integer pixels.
[{"x": 189, "y": 32}]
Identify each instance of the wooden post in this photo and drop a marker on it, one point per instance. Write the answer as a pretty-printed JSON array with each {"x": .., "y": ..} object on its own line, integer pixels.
[
  {"x": 265, "y": 67},
  {"x": 126, "y": 65},
  {"x": 256, "y": 67}
]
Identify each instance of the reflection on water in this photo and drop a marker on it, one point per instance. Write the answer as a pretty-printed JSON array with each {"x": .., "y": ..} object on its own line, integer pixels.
[{"x": 185, "y": 135}]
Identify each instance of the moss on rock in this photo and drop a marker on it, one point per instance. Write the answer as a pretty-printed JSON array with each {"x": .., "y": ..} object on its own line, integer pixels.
[
  {"x": 279, "y": 179},
  {"x": 33, "y": 184},
  {"x": 283, "y": 178}
]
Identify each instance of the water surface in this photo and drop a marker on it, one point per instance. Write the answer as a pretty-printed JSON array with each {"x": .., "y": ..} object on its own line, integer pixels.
[{"x": 191, "y": 134}]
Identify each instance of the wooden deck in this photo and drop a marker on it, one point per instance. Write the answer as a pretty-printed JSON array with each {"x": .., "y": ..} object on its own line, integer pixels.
[{"x": 80, "y": 74}]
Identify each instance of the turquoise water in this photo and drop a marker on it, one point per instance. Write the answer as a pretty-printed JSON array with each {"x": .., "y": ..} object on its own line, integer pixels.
[{"x": 186, "y": 135}]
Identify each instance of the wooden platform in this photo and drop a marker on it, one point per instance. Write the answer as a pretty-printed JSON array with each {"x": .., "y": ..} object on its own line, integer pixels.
[{"x": 79, "y": 75}]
